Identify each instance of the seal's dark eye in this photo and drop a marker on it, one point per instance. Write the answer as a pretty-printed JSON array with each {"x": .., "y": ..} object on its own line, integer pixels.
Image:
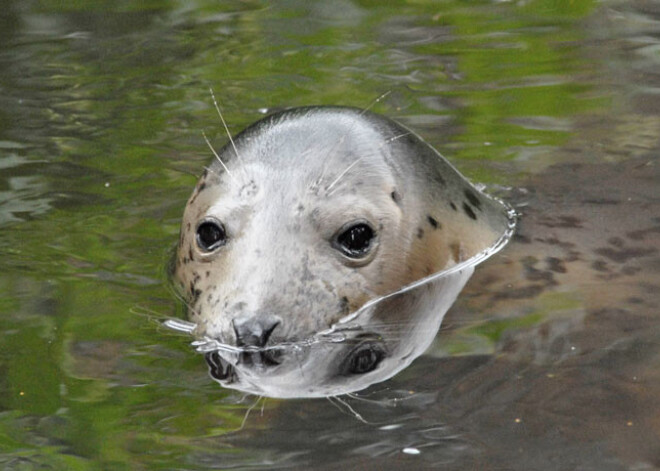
[
  {"x": 356, "y": 240},
  {"x": 210, "y": 235},
  {"x": 363, "y": 359}
]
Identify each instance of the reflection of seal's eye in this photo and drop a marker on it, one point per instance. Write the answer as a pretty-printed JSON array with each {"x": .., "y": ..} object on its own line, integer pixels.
[
  {"x": 211, "y": 235},
  {"x": 356, "y": 240},
  {"x": 363, "y": 359}
]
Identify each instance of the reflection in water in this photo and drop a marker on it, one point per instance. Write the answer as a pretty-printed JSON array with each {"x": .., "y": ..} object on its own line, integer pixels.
[{"x": 410, "y": 231}]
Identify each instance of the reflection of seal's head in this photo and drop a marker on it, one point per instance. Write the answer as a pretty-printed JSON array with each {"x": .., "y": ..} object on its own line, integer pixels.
[{"x": 306, "y": 217}]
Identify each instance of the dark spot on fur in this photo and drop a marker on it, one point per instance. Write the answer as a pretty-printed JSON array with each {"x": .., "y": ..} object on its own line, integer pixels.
[
  {"x": 555, "y": 264},
  {"x": 194, "y": 196},
  {"x": 534, "y": 274},
  {"x": 625, "y": 254},
  {"x": 188, "y": 226},
  {"x": 641, "y": 234},
  {"x": 196, "y": 295},
  {"x": 453, "y": 206},
  {"x": 472, "y": 198},
  {"x": 571, "y": 256},
  {"x": 566, "y": 222},
  {"x": 202, "y": 187},
  {"x": 205, "y": 173},
  {"x": 209, "y": 298},
  {"x": 190, "y": 254},
  {"x": 396, "y": 197},
  {"x": 555, "y": 241},
  {"x": 433, "y": 222},
  {"x": 469, "y": 212},
  {"x": 208, "y": 273},
  {"x": 420, "y": 232}
]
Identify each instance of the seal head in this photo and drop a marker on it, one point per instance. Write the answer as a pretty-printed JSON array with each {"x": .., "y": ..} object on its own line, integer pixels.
[{"x": 309, "y": 217}]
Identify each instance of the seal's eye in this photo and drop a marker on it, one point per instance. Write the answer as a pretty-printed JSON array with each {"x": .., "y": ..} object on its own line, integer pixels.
[
  {"x": 211, "y": 235},
  {"x": 363, "y": 359},
  {"x": 356, "y": 240}
]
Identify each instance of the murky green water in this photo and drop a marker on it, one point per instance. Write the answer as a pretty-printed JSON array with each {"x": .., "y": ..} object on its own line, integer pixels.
[{"x": 551, "y": 358}]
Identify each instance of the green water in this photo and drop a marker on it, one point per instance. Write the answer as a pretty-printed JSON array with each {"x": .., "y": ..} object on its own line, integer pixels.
[{"x": 102, "y": 109}]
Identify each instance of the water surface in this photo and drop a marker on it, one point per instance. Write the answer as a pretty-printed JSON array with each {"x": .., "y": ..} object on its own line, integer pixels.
[{"x": 549, "y": 360}]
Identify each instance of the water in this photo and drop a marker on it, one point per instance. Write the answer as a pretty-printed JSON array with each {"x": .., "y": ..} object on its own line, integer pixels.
[{"x": 549, "y": 359}]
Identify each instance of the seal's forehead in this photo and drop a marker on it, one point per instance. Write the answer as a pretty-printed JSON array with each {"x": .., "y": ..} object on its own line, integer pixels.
[{"x": 313, "y": 140}]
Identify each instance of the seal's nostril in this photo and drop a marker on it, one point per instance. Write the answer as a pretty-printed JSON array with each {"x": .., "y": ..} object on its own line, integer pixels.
[{"x": 254, "y": 331}]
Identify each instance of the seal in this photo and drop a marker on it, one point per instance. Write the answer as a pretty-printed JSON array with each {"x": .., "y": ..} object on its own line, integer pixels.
[{"x": 307, "y": 217}]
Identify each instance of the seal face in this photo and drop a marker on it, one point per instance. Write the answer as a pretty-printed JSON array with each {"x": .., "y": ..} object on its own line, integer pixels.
[{"x": 307, "y": 218}]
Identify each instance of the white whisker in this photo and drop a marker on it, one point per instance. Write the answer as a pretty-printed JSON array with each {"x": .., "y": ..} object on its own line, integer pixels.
[
  {"x": 339, "y": 142},
  {"x": 383, "y": 96},
  {"x": 341, "y": 175},
  {"x": 247, "y": 414},
  {"x": 180, "y": 325},
  {"x": 217, "y": 108},
  {"x": 394, "y": 138},
  {"x": 350, "y": 409},
  {"x": 217, "y": 156}
]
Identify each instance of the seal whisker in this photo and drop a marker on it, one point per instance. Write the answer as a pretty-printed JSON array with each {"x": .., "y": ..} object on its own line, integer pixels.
[
  {"x": 355, "y": 413},
  {"x": 373, "y": 103},
  {"x": 341, "y": 175},
  {"x": 394, "y": 138},
  {"x": 319, "y": 180},
  {"x": 343, "y": 137},
  {"x": 179, "y": 325},
  {"x": 247, "y": 414},
  {"x": 231, "y": 139},
  {"x": 217, "y": 156},
  {"x": 185, "y": 302}
]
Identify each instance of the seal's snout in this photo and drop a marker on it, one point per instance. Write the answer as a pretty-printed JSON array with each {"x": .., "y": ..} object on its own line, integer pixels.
[{"x": 254, "y": 331}]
